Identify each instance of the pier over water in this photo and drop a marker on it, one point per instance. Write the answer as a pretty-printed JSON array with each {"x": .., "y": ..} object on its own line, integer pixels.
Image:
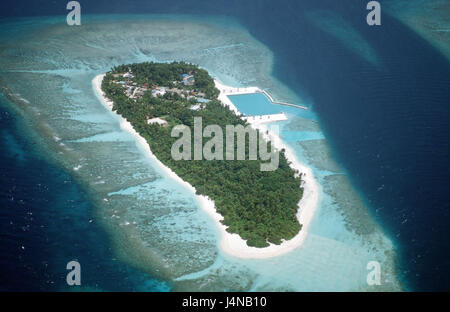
[
  {"x": 281, "y": 103},
  {"x": 250, "y": 90},
  {"x": 265, "y": 118}
]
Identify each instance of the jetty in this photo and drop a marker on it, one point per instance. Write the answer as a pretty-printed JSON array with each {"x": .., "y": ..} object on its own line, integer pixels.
[
  {"x": 250, "y": 90},
  {"x": 281, "y": 103},
  {"x": 265, "y": 118}
]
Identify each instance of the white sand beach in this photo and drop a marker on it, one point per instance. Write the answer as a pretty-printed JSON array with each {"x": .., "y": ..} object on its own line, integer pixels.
[
  {"x": 233, "y": 244},
  {"x": 307, "y": 205}
]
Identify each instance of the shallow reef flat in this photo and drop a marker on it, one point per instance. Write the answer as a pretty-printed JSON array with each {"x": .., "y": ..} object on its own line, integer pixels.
[{"x": 430, "y": 19}]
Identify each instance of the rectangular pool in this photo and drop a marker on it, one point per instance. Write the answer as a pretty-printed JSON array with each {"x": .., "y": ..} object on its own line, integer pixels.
[{"x": 254, "y": 104}]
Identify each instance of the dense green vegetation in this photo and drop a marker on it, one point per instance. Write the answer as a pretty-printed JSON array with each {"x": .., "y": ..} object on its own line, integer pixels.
[
  {"x": 259, "y": 206},
  {"x": 161, "y": 74}
]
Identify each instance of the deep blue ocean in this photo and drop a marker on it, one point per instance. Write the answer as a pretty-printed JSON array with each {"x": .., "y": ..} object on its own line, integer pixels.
[
  {"x": 387, "y": 122},
  {"x": 46, "y": 220}
]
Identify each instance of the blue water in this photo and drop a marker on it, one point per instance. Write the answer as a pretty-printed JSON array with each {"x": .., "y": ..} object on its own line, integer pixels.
[
  {"x": 46, "y": 221},
  {"x": 388, "y": 127},
  {"x": 255, "y": 104},
  {"x": 387, "y": 122}
]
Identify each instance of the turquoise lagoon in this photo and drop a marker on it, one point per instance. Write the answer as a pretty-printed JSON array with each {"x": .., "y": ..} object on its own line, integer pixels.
[
  {"x": 155, "y": 225},
  {"x": 254, "y": 104}
]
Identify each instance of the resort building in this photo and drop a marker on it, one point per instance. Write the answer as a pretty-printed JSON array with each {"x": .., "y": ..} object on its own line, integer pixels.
[
  {"x": 188, "y": 80},
  {"x": 159, "y": 91},
  {"x": 158, "y": 121}
]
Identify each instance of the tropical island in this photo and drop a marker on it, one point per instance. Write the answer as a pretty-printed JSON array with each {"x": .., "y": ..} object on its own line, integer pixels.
[{"x": 260, "y": 206}]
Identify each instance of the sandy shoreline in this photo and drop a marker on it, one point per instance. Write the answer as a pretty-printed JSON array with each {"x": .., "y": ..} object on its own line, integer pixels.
[{"x": 233, "y": 244}]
